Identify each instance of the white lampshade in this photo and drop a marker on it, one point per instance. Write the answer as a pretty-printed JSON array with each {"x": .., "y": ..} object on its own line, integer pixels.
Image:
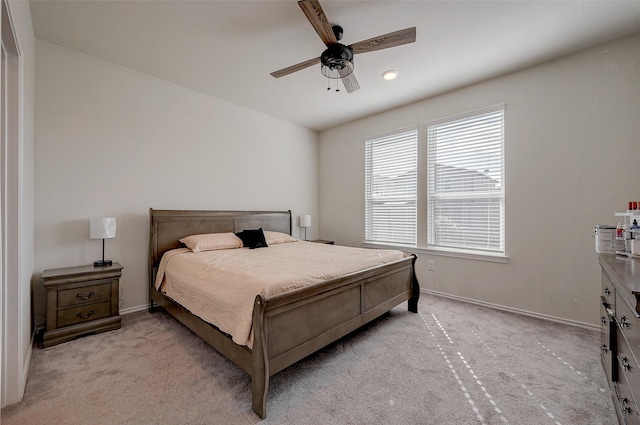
[
  {"x": 102, "y": 228},
  {"x": 305, "y": 220}
]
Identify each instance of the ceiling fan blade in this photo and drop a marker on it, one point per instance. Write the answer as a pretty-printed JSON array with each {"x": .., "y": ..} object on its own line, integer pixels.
[
  {"x": 318, "y": 20},
  {"x": 349, "y": 80},
  {"x": 393, "y": 39},
  {"x": 293, "y": 68}
]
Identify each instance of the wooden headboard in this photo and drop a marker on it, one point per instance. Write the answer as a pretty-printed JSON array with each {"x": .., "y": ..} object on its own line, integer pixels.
[{"x": 168, "y": 226}]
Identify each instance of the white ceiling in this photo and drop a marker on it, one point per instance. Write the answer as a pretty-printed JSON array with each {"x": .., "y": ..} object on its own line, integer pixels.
[{"x": 227, "y": 49}]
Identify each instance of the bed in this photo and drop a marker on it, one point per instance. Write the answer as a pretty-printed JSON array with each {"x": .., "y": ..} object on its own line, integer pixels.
[{"x": 289, "y": 326}]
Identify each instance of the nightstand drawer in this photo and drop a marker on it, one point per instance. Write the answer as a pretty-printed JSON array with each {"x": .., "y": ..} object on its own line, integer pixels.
[
  {"x": 84, "y": 313},
  {"x": 323, "y": 241},
  {"x": 84, "y": 294}
]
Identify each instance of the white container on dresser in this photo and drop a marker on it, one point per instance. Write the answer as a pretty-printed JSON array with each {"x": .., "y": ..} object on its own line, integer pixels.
[
  {"x": 620, "y": 333},
  {"x": 629, "y": 233}
]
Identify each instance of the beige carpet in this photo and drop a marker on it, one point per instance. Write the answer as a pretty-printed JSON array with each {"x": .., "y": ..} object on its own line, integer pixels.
[{"x": 454, "y": 363}]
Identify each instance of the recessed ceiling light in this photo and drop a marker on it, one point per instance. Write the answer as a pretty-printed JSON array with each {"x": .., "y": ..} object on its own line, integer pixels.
[{"x": 389, "y": 75}]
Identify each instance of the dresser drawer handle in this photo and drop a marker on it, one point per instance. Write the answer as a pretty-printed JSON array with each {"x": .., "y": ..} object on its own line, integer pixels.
[
  {"x": 605, "y": 348},
  {"x": 624, "y": 322},
  {"x": 86, "y": 297},
  {"x": 85, "y": 316},
  {"x": 603, "y": 320},
  {"x": 625, "y": 362},
  {"x": 607, "y": 291},
  {"x": 626, "y": 410}
]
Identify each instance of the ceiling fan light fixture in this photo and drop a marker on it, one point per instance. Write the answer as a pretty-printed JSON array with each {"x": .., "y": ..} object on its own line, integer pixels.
[
  {"x": 390, "y": 75},
  {"x": 336, "y": 71}
]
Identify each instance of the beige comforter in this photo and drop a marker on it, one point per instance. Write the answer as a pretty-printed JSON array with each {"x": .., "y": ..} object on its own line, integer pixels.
[{"x": 220, "y": 286}]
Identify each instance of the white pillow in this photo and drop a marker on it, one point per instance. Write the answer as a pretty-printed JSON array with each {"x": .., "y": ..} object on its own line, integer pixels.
[
  {"x": 212, "y": 241},
  {"x": 273, "y": 238}
]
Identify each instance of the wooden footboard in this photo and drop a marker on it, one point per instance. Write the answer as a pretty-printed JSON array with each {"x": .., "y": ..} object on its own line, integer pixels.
[{"x": 290, "y": 326}]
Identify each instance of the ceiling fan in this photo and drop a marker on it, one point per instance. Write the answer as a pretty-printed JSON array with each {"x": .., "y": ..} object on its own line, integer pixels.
[{"x": 337, "y": 59}]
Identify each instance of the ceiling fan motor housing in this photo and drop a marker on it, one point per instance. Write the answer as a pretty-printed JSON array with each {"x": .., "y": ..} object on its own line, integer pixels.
[{"x": 337, "y": 57}]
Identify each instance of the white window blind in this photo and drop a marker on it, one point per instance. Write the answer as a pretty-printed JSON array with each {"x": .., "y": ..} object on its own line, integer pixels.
[
  {"x": 466, "y": 182},
  {"x": 391, "y": 181}
]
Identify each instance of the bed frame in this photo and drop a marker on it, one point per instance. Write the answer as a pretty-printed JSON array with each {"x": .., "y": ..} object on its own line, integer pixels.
[{"x": 286, "y": 327}]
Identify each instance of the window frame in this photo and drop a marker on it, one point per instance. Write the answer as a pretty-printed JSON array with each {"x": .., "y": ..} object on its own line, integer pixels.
[
  {"x": 406, "y": 135},
  {"x": 434, "y": 197}
]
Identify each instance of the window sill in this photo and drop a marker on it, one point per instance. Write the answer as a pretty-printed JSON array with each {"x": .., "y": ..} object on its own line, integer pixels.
[{"x": 467, "y": 255}]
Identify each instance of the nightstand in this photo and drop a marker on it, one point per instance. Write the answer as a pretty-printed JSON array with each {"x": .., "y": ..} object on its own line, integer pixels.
[
  {"x": 80, "y": 301},
  {"x": 322, "y": 241}
]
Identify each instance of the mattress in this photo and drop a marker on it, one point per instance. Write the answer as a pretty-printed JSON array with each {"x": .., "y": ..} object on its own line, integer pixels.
[{"x": 220, "y": 286}]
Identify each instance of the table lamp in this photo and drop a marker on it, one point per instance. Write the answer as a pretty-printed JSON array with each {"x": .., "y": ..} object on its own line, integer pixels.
[
  {"x": 102, "y": 228},
  {"x": 305, "y": 221}
]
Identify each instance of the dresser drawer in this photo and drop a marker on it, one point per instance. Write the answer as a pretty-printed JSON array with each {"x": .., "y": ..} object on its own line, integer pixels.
[
  {"x": 83, "y": 313},
  {"x": 607, "y": 342},
  {"x": 629, "y": 325},
  {"x": 84, "y": 294},
  {"x": 628, "y": 367},
  {"x": 608, "y": 292},
  {"x": 627, "y": 404}
]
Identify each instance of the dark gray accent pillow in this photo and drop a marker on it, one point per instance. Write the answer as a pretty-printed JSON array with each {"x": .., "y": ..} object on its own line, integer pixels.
[{"x": 253, "y": 238}]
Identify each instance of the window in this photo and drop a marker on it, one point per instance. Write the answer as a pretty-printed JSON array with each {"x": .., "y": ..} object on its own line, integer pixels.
[
  {"x": 391, "y": 180},
  {"x": 466, "y": 182}
]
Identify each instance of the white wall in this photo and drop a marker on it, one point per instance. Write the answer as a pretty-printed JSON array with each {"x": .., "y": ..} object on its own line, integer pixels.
[
  {"x": 572, "y": 156},
  {"x": 16, "y": 316},
  {"x": 114, "y": 142}
]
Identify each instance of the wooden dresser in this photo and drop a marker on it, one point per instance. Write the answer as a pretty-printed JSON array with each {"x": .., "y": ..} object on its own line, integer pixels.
[
  {"x": 81, "y": 300},
  {"x": 620, "y": 333}
]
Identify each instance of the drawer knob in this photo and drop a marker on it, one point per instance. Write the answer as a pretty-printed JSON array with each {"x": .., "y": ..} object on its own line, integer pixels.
[
  {"x": 85, "y": 316},
  {"x": 626, "y": 409},
  {"x": 604, "y": 348},
  {"x": 607, "y": 291},
  {"x": 625, "y": 362},
  {"x": 85, "y": 297},
  {"x": 624, "y": 322},
  {"x": 603, "y": 320}
]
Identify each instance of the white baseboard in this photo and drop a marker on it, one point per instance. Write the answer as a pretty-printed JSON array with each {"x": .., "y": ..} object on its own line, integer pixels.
[
  {"x": 513, "y": 310},
  {"x": 25, "y": 369},
  {"x": 134, "y": 309}
]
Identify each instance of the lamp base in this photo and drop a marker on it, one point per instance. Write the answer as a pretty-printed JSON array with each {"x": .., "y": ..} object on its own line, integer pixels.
[{"x": 102, "y": 263}]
